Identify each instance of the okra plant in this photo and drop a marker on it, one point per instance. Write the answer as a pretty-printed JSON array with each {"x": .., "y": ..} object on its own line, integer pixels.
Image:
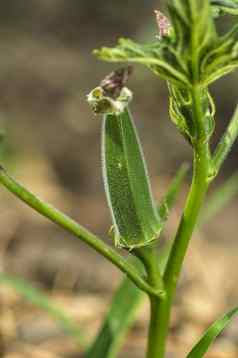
[{"x": 190, "y": 55}]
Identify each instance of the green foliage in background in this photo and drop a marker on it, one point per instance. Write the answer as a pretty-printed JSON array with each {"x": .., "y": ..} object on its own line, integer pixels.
[{"x": 38, "y": 298}]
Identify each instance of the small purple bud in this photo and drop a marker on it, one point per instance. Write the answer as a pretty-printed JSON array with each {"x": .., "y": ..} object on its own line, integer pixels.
[
  {"x": 163, "y": 24},
  {"x": 115, "y": 81}
]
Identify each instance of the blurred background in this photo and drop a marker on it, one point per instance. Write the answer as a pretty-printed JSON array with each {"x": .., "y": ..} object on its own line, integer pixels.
[{"x": 52, "y": 145}]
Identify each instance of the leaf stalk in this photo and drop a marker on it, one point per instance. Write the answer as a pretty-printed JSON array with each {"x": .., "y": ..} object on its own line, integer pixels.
[{"x": 77, "y": 230}]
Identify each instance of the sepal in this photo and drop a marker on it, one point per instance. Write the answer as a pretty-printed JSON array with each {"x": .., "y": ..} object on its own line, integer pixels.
[
  {"x": 103, "y": 104},
  {"x": 181, "y": 113}
]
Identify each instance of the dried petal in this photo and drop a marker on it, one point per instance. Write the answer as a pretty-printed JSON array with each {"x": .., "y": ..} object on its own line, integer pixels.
[
  {"x": 163, "y": 24},
  {"x": 115, "y": 81}
]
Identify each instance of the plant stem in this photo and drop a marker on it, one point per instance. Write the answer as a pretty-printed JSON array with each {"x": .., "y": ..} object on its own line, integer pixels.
[
  {"x": 73, "y": 227},
  {"x": 148, "y": 256},
  {"x": 150, "y": 260},
  {"x": 160, "y": 309},
  {"x": 156, "y": 349}
]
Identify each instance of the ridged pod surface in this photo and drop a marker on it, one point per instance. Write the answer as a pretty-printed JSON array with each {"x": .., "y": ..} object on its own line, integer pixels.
[{"x": 135, "y": 220}]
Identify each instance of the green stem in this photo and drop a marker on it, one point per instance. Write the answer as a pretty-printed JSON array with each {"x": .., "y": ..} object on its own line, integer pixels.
[
  {"x": 154, "y": 326},
  {"x": 73, "y": 227},
  {"x": 150, "y": 260},
  {"x": 160, "y": 309},
  {"x": 148, "y": 256},
  {"x": 156, "y": 349}
]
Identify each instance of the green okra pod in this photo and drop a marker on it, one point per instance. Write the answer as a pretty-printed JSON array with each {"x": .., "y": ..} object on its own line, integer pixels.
[{"x": 135, "y": 220}]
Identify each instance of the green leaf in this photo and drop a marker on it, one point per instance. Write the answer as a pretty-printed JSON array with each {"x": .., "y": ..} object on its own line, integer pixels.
[
  {"x": 225, "y": 6},
  {"x": 181, "y": 113},
  {"x": 38, "y": 298},
  {"x": 219, "y": 199},
  {"x": 176, "y": 56},
  {"x": 135, "y": 220},
  {"x": 118, "y": 320},
  {"x": 208, "y": 338},
  {"x": 224, "y": 145},
  {"x": 222, "y": 57},
  {"x": 169, "y": 199},
  {"x": 159, "y": 56},
  {"x": 194, "y": 30}
]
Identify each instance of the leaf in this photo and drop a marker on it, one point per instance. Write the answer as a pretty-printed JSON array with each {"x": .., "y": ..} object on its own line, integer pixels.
[
  {"x": 169, "y": 199},
  {"x": 194, "y": 29},
  {"x": 176, "y": 57},
  {"x": 180, "y": 110},
  {"x": 222, "y": 7},
  {"x": 181, "y": 113},
  {"x": 159, "y": 56},
  {"x": 224, "y": 145},
  {"x": 121, "y": 314},
  {"x": 220, "y": 198},
  {"x": 194, "y": 33},
  {"x": 135, "y": 220},
  {"x": 38, "y": 298},
  {"x": 207, "y": 339},
  {"x": 118, "y": 320},
  {"x": 222, "y": 58}
]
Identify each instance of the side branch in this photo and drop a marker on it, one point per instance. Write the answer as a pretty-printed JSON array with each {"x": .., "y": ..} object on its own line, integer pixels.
[
  {"x": 73, "y": 227},
  {"x": 225, "y": 144}
]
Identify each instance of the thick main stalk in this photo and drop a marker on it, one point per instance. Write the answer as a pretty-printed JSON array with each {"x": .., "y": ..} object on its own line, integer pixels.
[{"x": 161, "y": 309}]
